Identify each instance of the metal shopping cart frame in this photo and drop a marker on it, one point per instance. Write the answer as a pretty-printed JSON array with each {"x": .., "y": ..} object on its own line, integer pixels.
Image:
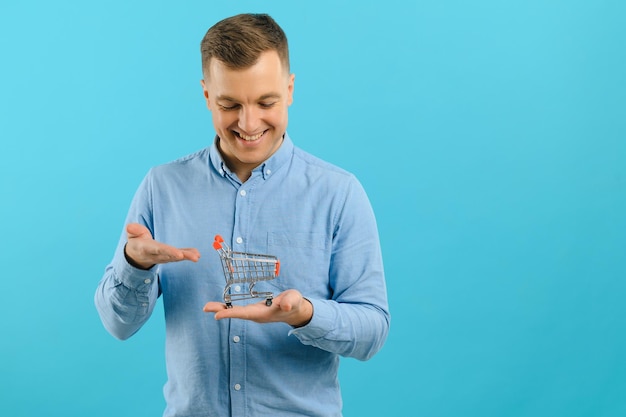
[{"x": 245, "y": 268}]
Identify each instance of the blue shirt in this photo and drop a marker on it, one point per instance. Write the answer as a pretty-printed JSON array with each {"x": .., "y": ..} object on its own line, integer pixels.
[{"x": 313, "y": 216}]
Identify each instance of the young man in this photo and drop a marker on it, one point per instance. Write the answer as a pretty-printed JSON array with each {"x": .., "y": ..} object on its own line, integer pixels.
[{"x": 263, "y": 195}]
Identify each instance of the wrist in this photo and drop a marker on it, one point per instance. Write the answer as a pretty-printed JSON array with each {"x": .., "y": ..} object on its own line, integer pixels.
[
  {"x": 134, "y": 263},
  {"x": 307, "y": 313}
]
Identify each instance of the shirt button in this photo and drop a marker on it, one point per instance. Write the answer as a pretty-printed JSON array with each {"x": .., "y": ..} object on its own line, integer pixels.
[
  {"x": 268, "y": 172},
  {"x": 239, "y": 240},
  {"x": 236, "y": 339},
  {"x": 237, "y": 288},
  {"x": 237, "y": 387},
  {"x": 243, "y": 193},
  {"x": 147, "y": 281}
]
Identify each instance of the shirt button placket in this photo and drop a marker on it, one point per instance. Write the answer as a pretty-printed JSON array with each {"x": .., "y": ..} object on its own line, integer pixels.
[
  {"x": 242, "y": 194},
  {"x": 237, "y": 328},
  {"x": 237, "y": 369}
]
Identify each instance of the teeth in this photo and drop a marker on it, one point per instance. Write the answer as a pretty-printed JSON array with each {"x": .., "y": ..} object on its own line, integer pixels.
[{"x": 250, "y": 138}]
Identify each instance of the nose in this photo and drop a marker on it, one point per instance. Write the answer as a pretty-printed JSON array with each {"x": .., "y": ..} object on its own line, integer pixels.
[{"x": 249, "y": 119}]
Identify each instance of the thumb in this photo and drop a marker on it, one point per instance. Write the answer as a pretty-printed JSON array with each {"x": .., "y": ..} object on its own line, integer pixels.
[
  {"x": 289, "y": 299},
  {"x": 136, "y": 230}
]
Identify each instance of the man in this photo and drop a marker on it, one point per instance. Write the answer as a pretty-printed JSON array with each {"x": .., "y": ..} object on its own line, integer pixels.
[{"x": 263, "y": 195}]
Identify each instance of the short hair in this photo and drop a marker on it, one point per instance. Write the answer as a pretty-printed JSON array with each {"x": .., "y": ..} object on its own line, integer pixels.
[{"x": 238, "y": 41}]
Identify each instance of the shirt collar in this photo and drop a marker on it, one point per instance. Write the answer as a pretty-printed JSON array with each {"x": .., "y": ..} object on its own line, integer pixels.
[{"x": 267, "y": 168}]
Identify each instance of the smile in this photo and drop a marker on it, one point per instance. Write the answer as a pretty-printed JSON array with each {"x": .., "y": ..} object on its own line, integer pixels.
[{"x": 249, "y": 138}]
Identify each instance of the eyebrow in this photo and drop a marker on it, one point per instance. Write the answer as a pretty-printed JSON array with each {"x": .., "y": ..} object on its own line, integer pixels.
[{"x": 263, "y": 97}]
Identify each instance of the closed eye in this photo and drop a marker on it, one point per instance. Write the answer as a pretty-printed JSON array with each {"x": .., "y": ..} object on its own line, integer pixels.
[{"x": 228, "y": 108}]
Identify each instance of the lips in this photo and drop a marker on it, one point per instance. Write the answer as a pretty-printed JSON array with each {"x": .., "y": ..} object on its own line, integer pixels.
[{"x": 249, "y": 138}]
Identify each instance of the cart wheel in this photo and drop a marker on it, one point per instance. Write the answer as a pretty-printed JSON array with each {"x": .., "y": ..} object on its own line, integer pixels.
[{"x": 268, "y": 302}]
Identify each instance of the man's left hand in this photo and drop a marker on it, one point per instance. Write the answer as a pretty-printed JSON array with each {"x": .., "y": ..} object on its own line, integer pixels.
[{"x": 289, "y": 307}]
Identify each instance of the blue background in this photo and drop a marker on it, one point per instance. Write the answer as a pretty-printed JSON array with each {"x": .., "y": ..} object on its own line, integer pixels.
[{"x": 490, "y": 136}]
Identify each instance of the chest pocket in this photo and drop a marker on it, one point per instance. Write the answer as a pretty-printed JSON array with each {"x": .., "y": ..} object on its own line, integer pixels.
[{"x": 304, "y": 262}]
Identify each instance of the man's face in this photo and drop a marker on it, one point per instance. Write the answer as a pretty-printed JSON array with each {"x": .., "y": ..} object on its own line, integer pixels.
[{"x": 249, "y": 109}]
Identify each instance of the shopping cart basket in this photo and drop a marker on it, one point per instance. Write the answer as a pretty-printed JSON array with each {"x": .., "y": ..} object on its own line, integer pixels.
[{"x": 245, "y": 268}]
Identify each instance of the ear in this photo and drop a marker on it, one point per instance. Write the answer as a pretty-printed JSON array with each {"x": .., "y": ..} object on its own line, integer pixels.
[
  {"x": 292, "y": 79},
  {"x": 205, "y": 93}
]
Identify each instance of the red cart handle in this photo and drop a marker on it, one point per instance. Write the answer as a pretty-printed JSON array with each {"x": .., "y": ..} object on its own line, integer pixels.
[{"x": 217, "y": 244}]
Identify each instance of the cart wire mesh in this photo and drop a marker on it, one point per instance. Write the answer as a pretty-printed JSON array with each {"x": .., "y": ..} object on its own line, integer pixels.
[{"x": 245, "y": 268}]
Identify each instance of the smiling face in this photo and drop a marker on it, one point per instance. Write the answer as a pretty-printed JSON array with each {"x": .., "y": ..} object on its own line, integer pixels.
[{"x": 249, "y": 109}]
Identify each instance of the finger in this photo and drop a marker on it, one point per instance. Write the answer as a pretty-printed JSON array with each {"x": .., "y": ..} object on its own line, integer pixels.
[
  {"x": 148, "y": 251},
  {"x": 191, "y": 254},
  {"x": 163, "y": 252},
  {"x": 170, "y": 254},
  {"x": 258, "y": 312},
  {"x": 235, "y": 312},
  {"x": 135, "y": 230},
  {"x": 287, "y": 300},
  {"x": 213, "y": 307}
]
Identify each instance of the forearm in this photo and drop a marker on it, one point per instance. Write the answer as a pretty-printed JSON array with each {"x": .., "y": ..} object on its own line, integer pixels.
[{"x": 125, "y": 298}]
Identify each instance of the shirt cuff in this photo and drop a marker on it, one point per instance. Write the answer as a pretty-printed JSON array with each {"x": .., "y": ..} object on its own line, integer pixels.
[
  {"x": 134, "y": 278},
  {"x": 322, "y": 322}
]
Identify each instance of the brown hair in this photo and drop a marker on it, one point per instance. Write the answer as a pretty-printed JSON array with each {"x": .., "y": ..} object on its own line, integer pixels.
[{"x": 238, "y": 41}]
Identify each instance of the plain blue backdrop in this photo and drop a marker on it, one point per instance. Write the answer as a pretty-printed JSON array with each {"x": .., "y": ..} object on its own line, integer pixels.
[{"x": 489, "y": 135}]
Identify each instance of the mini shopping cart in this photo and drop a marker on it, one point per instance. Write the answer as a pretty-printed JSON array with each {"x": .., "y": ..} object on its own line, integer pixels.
[{"x": 245, "y": 268}]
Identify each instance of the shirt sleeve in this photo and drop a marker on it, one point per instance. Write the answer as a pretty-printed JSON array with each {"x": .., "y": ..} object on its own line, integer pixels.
[
  {"x": 126, "y": 296},
  {"x": 355, "y": 321}
]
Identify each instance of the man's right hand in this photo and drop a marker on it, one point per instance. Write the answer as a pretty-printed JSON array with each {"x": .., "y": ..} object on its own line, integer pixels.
[{"x": 144, "y": 252}]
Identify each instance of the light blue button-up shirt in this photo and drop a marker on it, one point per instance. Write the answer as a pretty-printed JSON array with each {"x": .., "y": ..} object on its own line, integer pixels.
[{"x": 313, "y": 216}]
